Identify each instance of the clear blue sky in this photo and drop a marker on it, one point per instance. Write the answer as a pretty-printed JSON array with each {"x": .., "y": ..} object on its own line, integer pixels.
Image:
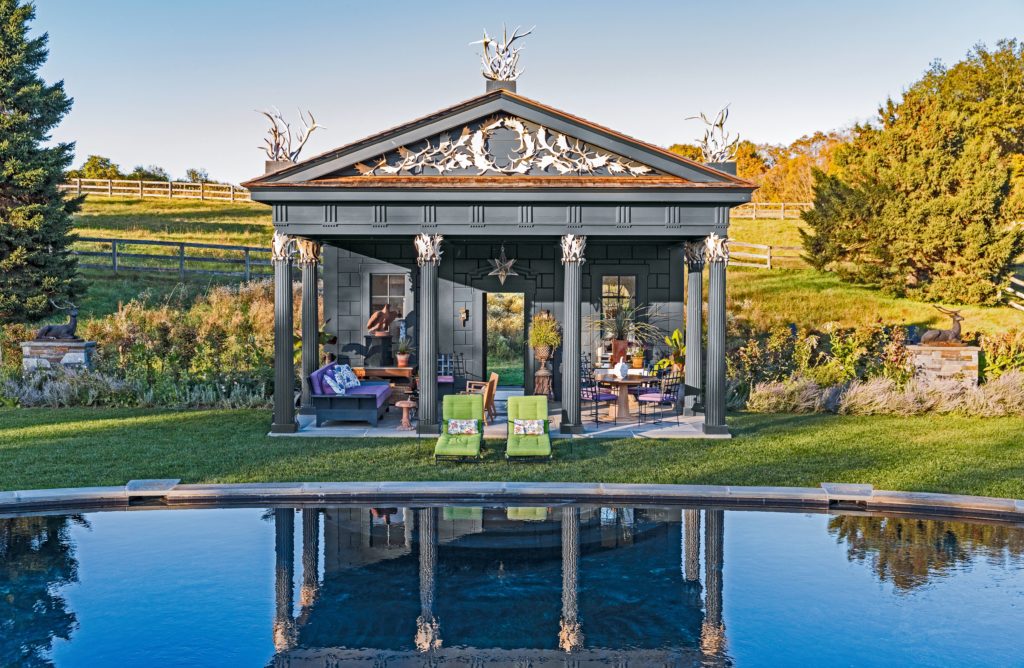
[{"x": 175, "y": 83}]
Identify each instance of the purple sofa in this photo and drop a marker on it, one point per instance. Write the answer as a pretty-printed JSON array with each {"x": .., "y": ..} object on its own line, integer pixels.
[{"x": 366, "y": 403}]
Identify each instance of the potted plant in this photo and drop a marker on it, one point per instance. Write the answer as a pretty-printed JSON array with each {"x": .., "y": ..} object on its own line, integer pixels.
[
  {"x": 676, "y": 355},
  {"x": 404, "y": 352},
  {"x": 544, "y": 336},
  {"x": 625, "y": 326},
  {"x": 636, "y": 356}
]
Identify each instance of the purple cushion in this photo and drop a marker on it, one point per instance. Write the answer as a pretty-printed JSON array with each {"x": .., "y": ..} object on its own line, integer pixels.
[
  {"x": 446, "y": 379},
  {"x": 379, "y": 390},
  {"x": 316, "y": 381},
  {"x": 656, "y": 398},
  {"x": 598, "y": 396}
]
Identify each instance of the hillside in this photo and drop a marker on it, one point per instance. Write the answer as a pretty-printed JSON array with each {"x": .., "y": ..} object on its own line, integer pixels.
[{"x": 780, "y": 296}]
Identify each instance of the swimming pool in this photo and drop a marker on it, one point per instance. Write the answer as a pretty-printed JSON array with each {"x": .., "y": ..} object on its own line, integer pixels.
[{"x": 477, "y": 586}]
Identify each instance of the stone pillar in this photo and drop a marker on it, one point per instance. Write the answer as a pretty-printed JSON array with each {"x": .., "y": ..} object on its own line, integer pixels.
[
  {"x": 284, "y": 363},
  {"x": 712, "y": 635},
  {"x": 570, "y": 637},
  {"x": 693, "y": 252},
  {"x": 284, "y": 576},
  {"x": 717, "y": 256},
  {"x": 428, "y": 631},
  {"x": 309, "y": 259},
  {"x": 310, "y": 557},
  {"x": 428, "y": 257},
  {"x": 572, "y": 260}
]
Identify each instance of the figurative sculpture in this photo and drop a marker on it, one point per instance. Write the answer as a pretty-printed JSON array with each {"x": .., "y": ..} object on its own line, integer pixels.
[
  {"x": 951, "y": 335},
  {"x": 379, "y": 323},
  {"x": 65, "y": 331}
]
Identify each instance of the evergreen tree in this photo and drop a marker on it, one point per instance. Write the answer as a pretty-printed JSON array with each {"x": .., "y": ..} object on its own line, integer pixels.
[
  {"x": 920, "y": 204},
  {"x": 36, "y": 264}
]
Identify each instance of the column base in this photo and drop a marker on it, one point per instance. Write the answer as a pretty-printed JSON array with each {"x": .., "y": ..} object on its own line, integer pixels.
[
  {"x": 428, "y": 428},
  {"x": 690, "y": 411},
  {"x": 566, "y": 428},
  {"x": 715, "y": 429},
  {"x": 284, "y": 427}
]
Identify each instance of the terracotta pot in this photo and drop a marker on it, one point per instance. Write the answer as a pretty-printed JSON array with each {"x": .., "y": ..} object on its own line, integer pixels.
[
  {"x": 402, "y": 359},
  {"x": 619, "y": 348},
  {"x": 638, "y": 362}
]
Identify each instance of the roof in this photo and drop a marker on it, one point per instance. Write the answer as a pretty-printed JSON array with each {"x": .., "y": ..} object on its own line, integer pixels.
[{"x": 674, "y": 171}]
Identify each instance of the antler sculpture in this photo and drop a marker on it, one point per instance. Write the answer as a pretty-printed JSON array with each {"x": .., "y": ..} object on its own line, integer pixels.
[
  {"x": 716, "y": 146},
  {"x": 280, "y": 138},
  {"x": 503, "y": 63}
]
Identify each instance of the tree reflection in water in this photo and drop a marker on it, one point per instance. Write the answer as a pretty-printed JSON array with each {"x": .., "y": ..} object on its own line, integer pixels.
[
  {"x": 907, "y": 552},
  {"x": 36, "y": 559}
]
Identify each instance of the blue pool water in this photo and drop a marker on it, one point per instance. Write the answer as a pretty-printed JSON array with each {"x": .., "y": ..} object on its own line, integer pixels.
[{"x": 487, "y": 586}]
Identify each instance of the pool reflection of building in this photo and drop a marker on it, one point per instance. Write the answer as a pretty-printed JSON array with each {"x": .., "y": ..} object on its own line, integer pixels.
[{"x": 481, "y": 586}]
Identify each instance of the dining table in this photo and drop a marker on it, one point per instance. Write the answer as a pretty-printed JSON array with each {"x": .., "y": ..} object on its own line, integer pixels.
[{"x": 621, "y": 385}]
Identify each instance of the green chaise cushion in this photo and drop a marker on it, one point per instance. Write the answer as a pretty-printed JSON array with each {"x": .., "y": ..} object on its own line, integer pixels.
[
  {"x": 462, "y": 513},
  {"x": 527, "y": 514},
  {"x": 528, "y": 408},
  {"x": 461, "y": 407},
  {"x": 463, "y": 445}
]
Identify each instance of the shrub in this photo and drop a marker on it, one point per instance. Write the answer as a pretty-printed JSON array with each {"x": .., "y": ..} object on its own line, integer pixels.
[{"x": 1001, "y": 353}]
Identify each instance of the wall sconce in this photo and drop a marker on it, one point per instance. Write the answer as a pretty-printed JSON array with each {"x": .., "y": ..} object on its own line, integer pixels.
[{"x": 464, "y": 314}]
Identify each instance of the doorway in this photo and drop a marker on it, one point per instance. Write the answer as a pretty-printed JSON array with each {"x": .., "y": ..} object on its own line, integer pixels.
[{"x": 505, "y": 337}]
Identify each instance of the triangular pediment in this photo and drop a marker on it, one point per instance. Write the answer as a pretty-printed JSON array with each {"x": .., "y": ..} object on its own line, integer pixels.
[{"x": 498, "y": 136}]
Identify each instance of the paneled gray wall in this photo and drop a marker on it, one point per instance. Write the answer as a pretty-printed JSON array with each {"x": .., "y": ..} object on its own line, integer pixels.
[{"x": 464, "y": 281}]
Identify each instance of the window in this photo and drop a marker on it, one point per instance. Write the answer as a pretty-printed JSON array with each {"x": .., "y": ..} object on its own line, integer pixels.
[
  {"x": 617, "y": 292},
  {"x": 388, "y": 289}
]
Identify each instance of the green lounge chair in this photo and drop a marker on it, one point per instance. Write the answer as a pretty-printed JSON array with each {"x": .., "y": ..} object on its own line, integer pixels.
[
  {"x": 455, "y": 513},
  {"x": 460, "y": 447},
  {"x": 524, "y": 447},
  {"x": 527, "y": 514}
]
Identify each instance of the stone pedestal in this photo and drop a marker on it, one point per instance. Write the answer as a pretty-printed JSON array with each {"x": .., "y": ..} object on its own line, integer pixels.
[
  {"x": 69, "y": 353},
  {"x": 946, "y": 362}
]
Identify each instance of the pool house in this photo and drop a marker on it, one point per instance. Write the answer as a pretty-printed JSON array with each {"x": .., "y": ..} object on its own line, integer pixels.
[{"x": 497, "y": 194}]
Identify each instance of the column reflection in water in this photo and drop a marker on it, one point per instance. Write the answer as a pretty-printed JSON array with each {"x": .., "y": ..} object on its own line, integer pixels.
[
  {"x": 570, "y": 636},
  {"x": 712, "y": 640},
  {"x": 284, "y": 577},
  {"x": 691, "y": 556},
  {"x": 428, "y": 631},
  {"x": 310, "y": 558}
]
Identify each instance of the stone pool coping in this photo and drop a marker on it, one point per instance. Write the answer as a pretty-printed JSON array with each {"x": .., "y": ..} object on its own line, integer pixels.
[{"x": 828, "y": 496}]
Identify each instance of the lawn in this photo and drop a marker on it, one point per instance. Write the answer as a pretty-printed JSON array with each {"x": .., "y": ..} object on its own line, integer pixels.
[{"x": 77, "y": 447}]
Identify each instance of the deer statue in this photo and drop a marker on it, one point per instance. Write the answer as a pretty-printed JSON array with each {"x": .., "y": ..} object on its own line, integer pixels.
[
  {"x": 65, "y": 331},
  {"x": 951, "y": 335}
]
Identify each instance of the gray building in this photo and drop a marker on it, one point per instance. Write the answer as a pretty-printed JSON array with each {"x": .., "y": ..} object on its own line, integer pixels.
[{"x": 417, "y": 216}]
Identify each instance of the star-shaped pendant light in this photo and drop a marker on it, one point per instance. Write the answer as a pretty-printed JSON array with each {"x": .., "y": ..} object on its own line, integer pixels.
[{"x": 502, "y": 267}]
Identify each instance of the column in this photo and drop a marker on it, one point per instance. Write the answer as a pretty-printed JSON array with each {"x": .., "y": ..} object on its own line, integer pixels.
[
  {"x": 572, "y": 260},
  {"x": 570, "y": 636},
  {"x": 712, "y": 634},
  {"x": 428, "y": 631},
  {"x": 310, "y": 557},
  {"x": 284, "y": 364},
  {"x": 693, "y": 253},
  {"x": 309, "y": 259},
  {"x": 428, "y": 257},
  {"x": 691, "y": 555},
  {"x": 284, "y": 575},
  {"x": 717, "y": 256}
]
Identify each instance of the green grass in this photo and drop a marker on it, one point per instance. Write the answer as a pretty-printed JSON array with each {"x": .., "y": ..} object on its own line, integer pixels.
[
  {"x": 241, "y": 224},
  {"x": 810, "y": 298},
  {"x": 770, "y": 232},
  {"x": 76, "y": 447},
  {"x": 510, "y": 374}
]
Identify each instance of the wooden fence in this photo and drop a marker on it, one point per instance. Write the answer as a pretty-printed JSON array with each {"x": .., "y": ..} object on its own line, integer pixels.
[
  {"x": 771, "y": 210},
  {"x": 763, "y": 256},
  {"x": 1015, "y": 292},
  {"x": 182, "y": 258},
  {"x": 166, "y": 189}
]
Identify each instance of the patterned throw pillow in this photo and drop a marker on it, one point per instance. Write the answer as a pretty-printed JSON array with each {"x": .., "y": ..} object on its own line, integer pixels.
[
  {"x": 464, "y": 427},
  {"x": 344, "y": 374},
  {"x": 333, "y": 384},
  {"x": 528, "y": 427}
]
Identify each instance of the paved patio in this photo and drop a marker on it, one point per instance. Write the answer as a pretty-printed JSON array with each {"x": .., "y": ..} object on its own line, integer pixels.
[{"x": 687, "y": 427}]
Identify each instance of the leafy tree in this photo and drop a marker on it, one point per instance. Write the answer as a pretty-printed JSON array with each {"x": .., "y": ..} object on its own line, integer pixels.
[
  {"x": 790, "y": 173},
  {"x": 97, "y": 167},
  {"x": 691, "y": 151},
  {"x": 35, "y": 218},
  {"x": 920, "y": 204},
  {"x": 197, "y": 175},
  {"x": 150, "y": 173}
]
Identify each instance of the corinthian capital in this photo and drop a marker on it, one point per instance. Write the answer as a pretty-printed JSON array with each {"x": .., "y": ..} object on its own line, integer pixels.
[
  {"x": 428, "y": 249},
  {"x": 573, "y": 246},
  {"x": 716, "y": 248},
  {"x": 281, "y": 247},
  {"x": 309, "y": 250},
  {"x": 693, "y": 253}
]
